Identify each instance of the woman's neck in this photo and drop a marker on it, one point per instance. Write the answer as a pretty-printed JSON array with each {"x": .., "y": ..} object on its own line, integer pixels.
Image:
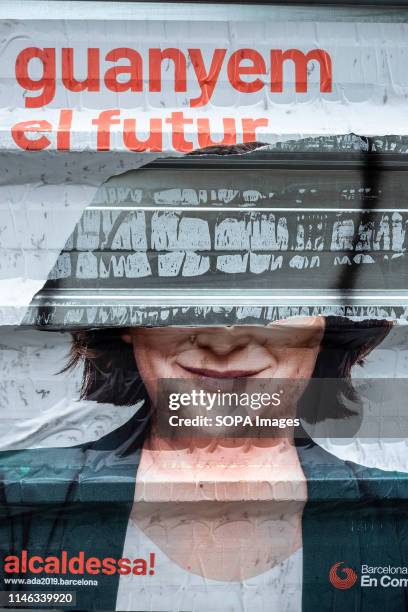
[
  {"x": 220, "y": 470},
  {"x": 247, "y": 498}
]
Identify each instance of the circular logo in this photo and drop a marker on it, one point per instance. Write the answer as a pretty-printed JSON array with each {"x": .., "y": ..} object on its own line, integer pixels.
[{"x": 345, "y": 580}]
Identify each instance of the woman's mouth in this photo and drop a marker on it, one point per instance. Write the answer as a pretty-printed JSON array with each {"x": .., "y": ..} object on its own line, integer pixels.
[{"x": 210, "y": 373}]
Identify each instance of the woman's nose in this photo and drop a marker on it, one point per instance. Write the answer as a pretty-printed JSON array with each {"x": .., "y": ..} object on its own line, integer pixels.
[{"x": 222, "y": 342}]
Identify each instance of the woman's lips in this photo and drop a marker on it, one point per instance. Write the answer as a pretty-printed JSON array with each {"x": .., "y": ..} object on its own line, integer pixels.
[{"x": 208, "y": 373}]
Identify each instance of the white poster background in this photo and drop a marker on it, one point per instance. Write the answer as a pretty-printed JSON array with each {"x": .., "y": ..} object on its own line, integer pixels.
[{"x": 369, "y": 92}]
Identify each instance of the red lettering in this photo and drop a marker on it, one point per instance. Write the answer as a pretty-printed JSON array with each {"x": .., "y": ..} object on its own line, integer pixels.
[
  {"x": 206, "y": 80},
  {"x": 249, "y": 128},
  {"x": 104, "y": 122},
  {"x": 64, "y": 561},
  {"x": 46, "y": 83},
  {"x": 301, "y": 61},
  {"x": 18, "y": 133},
  {"x": 12, "y": 564},
  {"x": 235, "y": 70},
  {"x": 32, "y": 567},
  {"x": 76, "y": 565},
  {"x": 204, "y": 132},
  {"x": 93, "y": 565},
  {"x": 64, "y": 130},
  {"x": 52, "y": 565},
  {"x": 139, "y": 567},
  {"x": 91, "y": 82},
  {"x": 156, "y": 57},
  {"x": 154, "y": 142},
  {"x": 108, "y": 566},
  {"x": 124, "y": 566},
  {"x": 134, "y": 70},
  {"x": 177, "y": 122},
  {"x": 24, "y": 561}
]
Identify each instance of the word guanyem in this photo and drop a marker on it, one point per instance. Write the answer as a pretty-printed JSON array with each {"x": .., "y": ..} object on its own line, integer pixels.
[{"x": 246, "y": 70}]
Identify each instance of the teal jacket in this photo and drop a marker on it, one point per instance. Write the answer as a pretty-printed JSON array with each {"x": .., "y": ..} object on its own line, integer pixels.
[{"x": 80, "y": 498}]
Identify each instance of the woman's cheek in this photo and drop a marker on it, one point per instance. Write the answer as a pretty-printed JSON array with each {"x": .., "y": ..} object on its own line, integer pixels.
[
  {"x": 296, "y": 363},
  {"x": 152, "y": 365},
  {"x": 304, "y": 363}
]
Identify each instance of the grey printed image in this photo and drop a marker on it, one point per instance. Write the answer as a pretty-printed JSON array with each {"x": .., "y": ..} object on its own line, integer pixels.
[
  {"x": 239, "y": 227},
  {"x": 256, "y": 234}
]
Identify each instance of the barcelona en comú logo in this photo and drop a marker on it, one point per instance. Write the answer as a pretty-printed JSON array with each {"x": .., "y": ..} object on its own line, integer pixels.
[{"x": 342, "y": 578}]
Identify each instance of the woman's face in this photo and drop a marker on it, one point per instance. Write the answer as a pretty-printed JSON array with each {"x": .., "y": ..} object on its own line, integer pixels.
[{"x": 285, "y": 349}]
